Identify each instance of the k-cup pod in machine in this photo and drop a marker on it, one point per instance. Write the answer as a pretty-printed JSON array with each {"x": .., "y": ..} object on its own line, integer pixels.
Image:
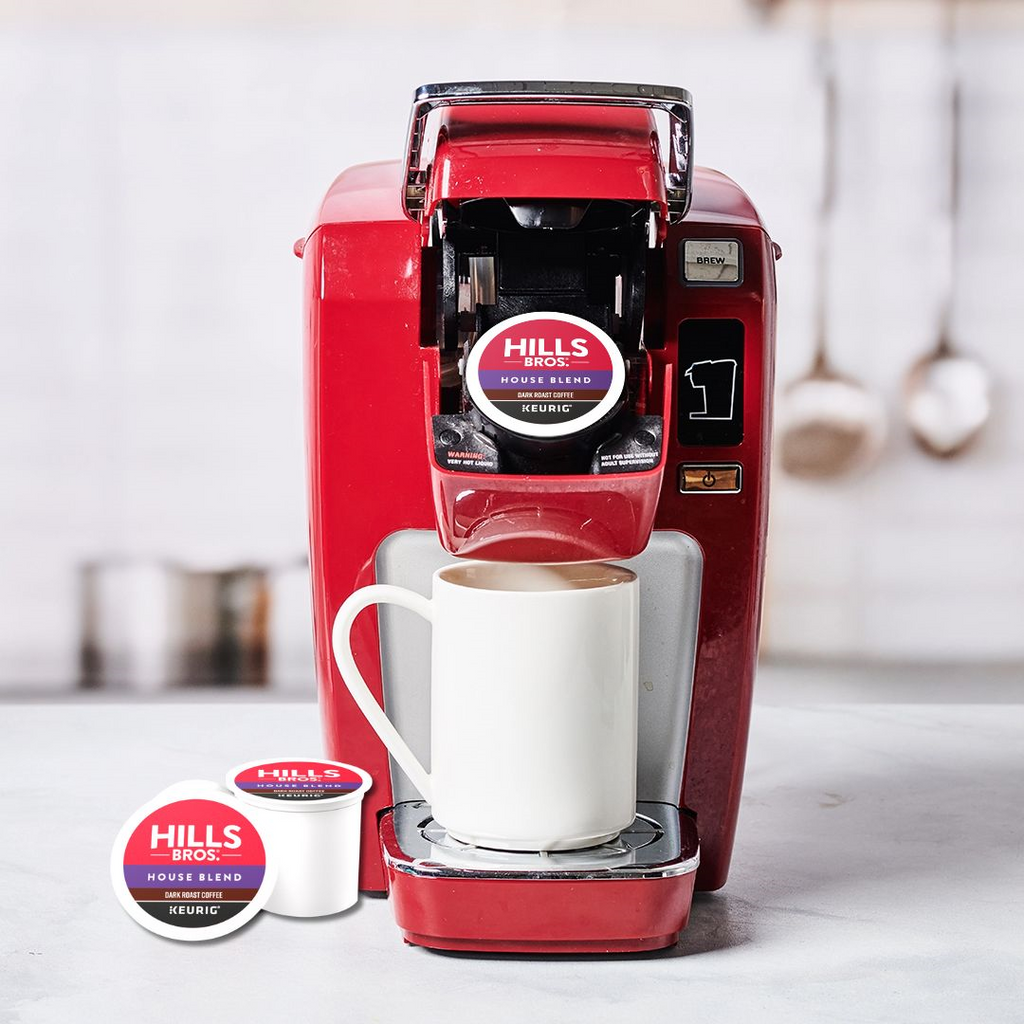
[
  {"x": 191, "y": 864},
  {"x": 309, "y": 811}
]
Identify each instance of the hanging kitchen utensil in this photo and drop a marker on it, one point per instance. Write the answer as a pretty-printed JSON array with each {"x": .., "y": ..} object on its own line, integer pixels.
[
  {"x": 829, "y": 424},
  {"x": 948, "y": 396}
]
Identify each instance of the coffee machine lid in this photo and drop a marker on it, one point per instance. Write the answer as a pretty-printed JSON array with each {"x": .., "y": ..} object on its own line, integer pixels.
[
  {"x": 546, "y": 139},
  {"x": 298, "y": 784}
]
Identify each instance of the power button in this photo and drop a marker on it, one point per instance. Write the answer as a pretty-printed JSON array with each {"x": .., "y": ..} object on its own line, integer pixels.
[{"x": 716, "y": 477}]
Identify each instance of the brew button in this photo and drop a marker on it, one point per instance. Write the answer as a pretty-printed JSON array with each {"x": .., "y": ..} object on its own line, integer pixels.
[
  {"x": 720, "y": 478},
  {"x": 712, "y": 261}
]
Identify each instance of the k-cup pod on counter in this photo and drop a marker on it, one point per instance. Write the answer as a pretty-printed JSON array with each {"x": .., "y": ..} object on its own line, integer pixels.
[
  {"x": 309, "y": 812},
  {"x": 191, "y": 864}
]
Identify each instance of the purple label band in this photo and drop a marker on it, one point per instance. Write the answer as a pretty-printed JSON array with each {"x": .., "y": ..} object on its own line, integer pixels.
[
  {"x": 592, "y": 380},
  {"x": 344, "y": 787},
  {"x": 145, "y": 876}
]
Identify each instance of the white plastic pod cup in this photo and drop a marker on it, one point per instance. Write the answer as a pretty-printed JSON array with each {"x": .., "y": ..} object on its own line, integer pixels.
[{"x": 309, "y": 812}]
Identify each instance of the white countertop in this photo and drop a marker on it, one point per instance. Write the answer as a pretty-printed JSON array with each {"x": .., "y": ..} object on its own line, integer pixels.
[{"x": 878, "y": 876}]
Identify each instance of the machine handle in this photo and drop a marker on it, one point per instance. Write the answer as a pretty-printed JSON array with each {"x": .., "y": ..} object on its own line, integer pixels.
[
  {"x": 677, "y": 103},
  {"x": 379, "y": 593}
]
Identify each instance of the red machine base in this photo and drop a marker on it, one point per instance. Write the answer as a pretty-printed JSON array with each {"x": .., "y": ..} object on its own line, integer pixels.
[
  {"x": 542, "y": 948},
  {"x": 496, "y": 913}
]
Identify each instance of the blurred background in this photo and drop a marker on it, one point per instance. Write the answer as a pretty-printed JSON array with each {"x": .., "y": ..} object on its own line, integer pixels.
[{"x": 158, "y": 162}]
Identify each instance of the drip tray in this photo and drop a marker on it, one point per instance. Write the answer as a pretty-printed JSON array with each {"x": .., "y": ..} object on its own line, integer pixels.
[{"x": 659, "y": 843}]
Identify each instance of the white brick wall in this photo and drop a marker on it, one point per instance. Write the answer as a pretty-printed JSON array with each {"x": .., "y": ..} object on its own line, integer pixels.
[{"x": 154, "y": 176}]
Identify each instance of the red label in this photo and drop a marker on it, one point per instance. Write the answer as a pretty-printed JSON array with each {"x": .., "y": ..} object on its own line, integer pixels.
[
  {"x": 545, "y": 374},
  {"x": 194, "y": 863},
  {"x": 298, "y": 780}
]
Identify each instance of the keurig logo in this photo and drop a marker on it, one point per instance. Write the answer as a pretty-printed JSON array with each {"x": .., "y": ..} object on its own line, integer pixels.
[{"x": 545, "y": 374}]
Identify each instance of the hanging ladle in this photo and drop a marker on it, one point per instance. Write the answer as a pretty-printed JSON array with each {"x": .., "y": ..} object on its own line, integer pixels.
[
  {"x": 948, "y": 396},
  {"x": 829, "y": 424}
]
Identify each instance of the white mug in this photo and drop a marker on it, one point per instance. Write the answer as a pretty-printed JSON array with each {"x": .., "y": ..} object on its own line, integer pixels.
[{"x": 534, "y": 674}]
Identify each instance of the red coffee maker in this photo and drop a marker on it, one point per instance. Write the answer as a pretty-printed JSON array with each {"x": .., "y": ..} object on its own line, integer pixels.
[{"x": 515, "y": 200}]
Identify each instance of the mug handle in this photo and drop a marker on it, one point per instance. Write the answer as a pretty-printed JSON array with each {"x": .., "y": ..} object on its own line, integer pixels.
[{"x": 379, "y": 593}]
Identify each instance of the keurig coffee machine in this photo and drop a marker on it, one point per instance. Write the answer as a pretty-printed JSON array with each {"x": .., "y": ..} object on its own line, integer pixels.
[{"x": 544, "y": 337}]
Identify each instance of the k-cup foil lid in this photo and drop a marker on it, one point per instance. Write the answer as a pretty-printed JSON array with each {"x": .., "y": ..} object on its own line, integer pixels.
[
  {"x": 298, "y": 784},
  {"x": 191, "y": 864},
  {"x": 545, "y": 374}
]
